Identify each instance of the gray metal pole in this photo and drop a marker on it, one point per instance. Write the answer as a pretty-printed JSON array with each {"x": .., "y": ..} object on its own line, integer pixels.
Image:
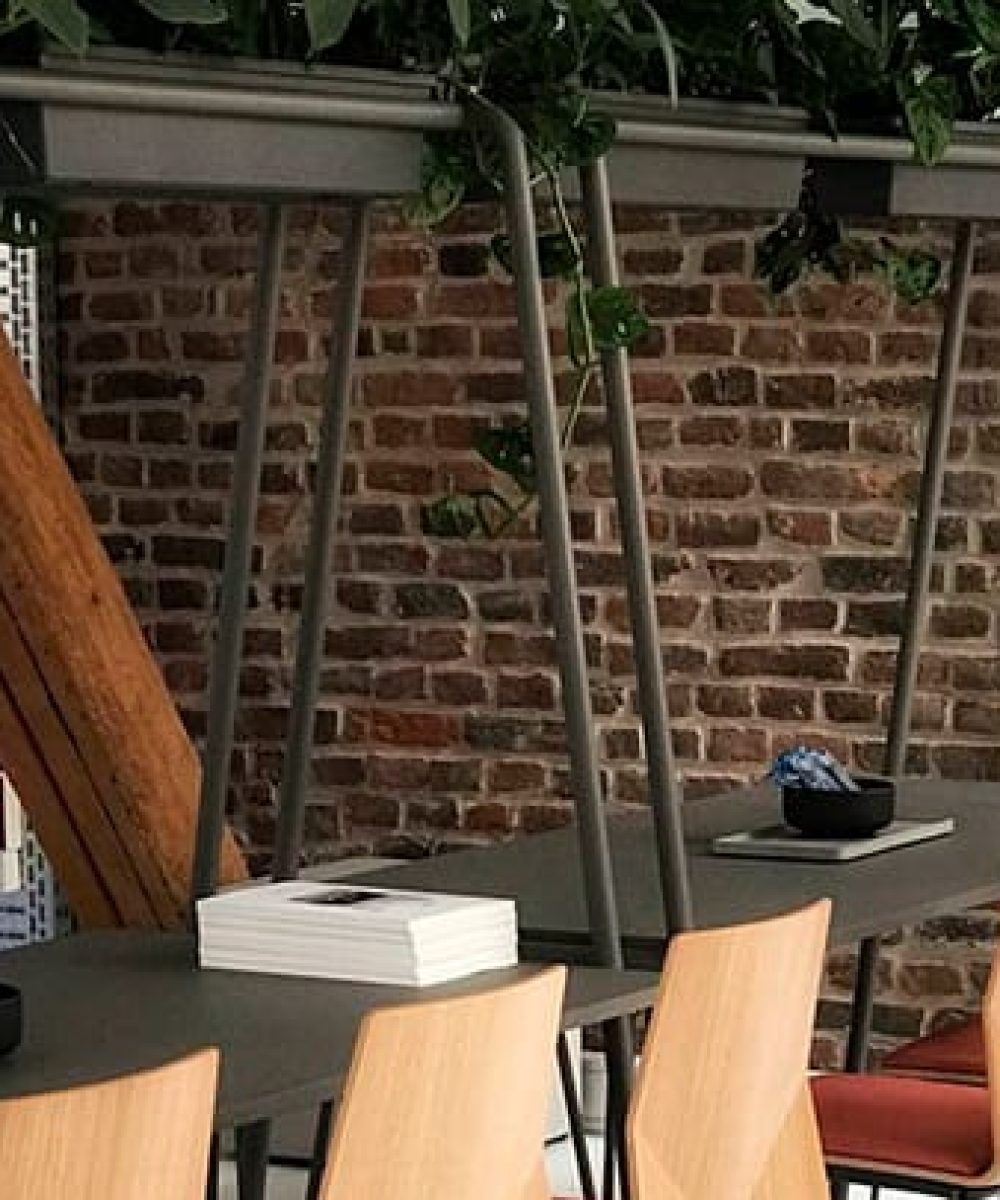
[
  {"x": 929, "y": 506},
  {"x": 201, "y": 99},
  {"x": 224, "y": 687},
  {"x": 932, "y": 483},
  {"x": 595, "y": 852},
  {"x": 584, "y": 771},
  {"x": 319, "y": 557},
  {"x": 664, "y": 790}
]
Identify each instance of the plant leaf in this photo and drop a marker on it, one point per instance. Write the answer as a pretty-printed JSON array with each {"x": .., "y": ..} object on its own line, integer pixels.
[
  {"x": 451, "y": 516},
  {"x": 65, "y": 20},
  {"x": 616, "y": 319},
  {"x": 985, "y": 19},
  {"x": 914, "y": 275},
  {"x": 930, "y": 116},
  {"x": 511, "y": 451},
  {"x": 557, "y": 257},
  {"x": 461, "y": 20},
  {"x": 187, "y": 12},
  {"x": 855, "y": 23},
  {"x": 327, "y": 21}
]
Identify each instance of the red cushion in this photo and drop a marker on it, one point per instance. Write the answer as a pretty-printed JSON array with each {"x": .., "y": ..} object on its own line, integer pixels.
[
  {"x": 916, "y": 1123},
  {"x": 956, "y": 1053}
]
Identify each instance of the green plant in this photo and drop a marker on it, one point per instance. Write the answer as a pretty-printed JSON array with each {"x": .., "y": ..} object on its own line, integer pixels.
[{"x": 914, "y": 66}]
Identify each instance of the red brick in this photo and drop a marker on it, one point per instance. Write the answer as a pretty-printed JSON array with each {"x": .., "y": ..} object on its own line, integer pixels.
[{"x": 704, "y": 340}]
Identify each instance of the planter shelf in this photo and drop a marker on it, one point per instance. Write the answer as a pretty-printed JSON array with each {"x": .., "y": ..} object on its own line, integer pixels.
[
  {"x": 123, "y": 122},
  {"x": 115, "y": 122}
]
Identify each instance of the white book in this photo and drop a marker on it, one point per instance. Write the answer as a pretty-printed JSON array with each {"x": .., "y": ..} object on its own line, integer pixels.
[
  {"x": 10, "y": 871},
  {"x": 336, "y": 931},
  {"x": 11, "y": 816}
]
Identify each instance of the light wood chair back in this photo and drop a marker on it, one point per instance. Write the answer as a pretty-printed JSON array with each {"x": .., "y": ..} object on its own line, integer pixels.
[
  {"x": 142, "y": 1136},
  {"x": 795, "y": 1168},
  {"x": 990, "y": 1016},
  {"x": 447, "y": 1099},
  {"x": 725, "y": 1057}
]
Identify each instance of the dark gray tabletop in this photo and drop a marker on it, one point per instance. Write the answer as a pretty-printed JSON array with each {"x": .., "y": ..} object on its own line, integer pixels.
[
  {"x": 99, "y": 1005},
  {"x": 873, "y": 895}
]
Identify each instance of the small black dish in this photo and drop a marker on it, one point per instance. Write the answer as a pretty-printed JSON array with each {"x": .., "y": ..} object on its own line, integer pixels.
[
  {"x": 10, "y": 1018},
  {"x": 837, "y": 814}
]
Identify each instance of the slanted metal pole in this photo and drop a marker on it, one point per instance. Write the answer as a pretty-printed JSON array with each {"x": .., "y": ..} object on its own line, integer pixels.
[
  {"x": 928, "y": 509},
  {"x": 932, "y": 483},
  {"x": 319, "y": 557},
  {"x": 664, "y": 790},
  {"x": 224, "y": 687},
  {"x": 602, "y": 908}
]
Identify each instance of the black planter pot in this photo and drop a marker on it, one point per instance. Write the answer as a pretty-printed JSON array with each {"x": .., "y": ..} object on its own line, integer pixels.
[{"x": 839, "y": 814}]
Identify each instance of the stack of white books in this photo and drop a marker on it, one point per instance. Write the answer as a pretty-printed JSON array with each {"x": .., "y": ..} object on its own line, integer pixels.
[{"x": 339, "y": 931}]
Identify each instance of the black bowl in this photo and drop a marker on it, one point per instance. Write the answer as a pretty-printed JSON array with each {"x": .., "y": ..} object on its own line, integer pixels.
[
  {"x": 837, "y": 814},
  {"x": 10, "y": 1018}
]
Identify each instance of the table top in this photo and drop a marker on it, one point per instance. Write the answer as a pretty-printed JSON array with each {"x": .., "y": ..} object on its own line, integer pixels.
[
  {"x": 870, "y": 896},
  {"x": 101, "y": 1004}
]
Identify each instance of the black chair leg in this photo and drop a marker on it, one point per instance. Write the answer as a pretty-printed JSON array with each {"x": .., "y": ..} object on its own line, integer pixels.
[
  {"x": 572, "y": 1100},
  {"x": 321, "y": 1142}
]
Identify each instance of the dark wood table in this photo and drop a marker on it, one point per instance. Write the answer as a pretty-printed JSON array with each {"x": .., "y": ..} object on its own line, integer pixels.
[
  {"x": 100, "y": 1005},
  {"x": 870, "y": 896}
]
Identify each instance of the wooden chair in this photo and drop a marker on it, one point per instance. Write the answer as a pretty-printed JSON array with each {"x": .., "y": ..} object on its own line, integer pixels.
[
  {"x": 141, "y": 1136},
  {"x": 929, "y": 1134},
  {"x": 721, "y": 1106},
  {"x": 447, "y": 1099}
]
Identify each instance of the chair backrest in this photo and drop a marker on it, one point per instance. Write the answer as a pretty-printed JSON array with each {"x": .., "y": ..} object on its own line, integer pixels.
[
  {"x": 725, "y": 1057},
  {"x": 447, "y": 1099},
  {"x": 131, "y": 1138},
  {"x": 990, "y": 1018}
]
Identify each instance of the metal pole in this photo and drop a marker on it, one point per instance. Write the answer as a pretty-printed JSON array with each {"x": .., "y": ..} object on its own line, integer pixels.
[
  {"x": 929, "y": 506},
  {"x": 224, "y": 687},
  {"x": 602, "y": 907},
  {"x": 935, "y": 460},
  {"x": 574, "y": 1116},
  {"x": 203, "y": 100},
  {"x": 664, "y": 791},
  {"x": 585, "y": 775},
  {"x": 319, "y": 557}
]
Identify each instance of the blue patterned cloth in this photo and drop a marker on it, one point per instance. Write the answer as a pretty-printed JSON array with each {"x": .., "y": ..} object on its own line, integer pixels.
[{"x": 809, "y": 768}]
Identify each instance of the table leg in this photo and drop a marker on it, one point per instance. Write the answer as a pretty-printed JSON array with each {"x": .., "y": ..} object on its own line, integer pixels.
[
  {"x": 862, "y": 1006},
  {"x": 321, "y": 1143},
  {"x": 212, "y": 1185},
  {"x": 618, "y": 1056},
  {"x": 252, "y": 1143},
  {"x": 576, "y": 1130}
]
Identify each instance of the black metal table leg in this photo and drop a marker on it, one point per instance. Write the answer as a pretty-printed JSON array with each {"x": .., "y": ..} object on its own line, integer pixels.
[
  {"x": 579, "y": 1137},
  {"x": 862, "y": 1006},
  {"x": 252, "y": 1143},
  {"x": 321, "y": 1143},
  {"x": 212, "y": 1184}
]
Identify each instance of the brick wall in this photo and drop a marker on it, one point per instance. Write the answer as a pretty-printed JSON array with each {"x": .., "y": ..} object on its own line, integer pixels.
[{"x": 781, "y": 443}]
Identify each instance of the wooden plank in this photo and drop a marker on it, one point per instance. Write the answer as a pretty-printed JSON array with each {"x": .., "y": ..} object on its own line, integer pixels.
[
  {"x": 74, "y": 787},
  {"x": 77, "y": 872},
  {"x": 72, "y": 613}
]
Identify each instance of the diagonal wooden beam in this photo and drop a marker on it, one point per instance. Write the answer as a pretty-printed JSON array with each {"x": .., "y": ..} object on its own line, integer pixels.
[{"x": 132, "y": 782}]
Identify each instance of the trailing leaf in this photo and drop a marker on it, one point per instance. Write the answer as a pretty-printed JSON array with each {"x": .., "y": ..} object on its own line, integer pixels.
[
  {"x": 187, "y": 12},
  {"x": 914, "y": 275},
  {"x": 454, "y": 516},
  {"x": 557, "y": 254},
  {"x": 461, "y": 20},
  {"x": 617, "y": 321},
  {"x": 510, "y": 451},
  {"x": 930, "y": 107},
  {"x": 328, "y": 21},
  {"x": 63, "y": 20}
]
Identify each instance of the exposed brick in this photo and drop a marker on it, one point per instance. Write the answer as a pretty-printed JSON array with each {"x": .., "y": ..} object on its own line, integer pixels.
[
  {"x": 805, "y": 661},
  {"x": 807, "y": 614},
  {"x": 786, "y": 703}
]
